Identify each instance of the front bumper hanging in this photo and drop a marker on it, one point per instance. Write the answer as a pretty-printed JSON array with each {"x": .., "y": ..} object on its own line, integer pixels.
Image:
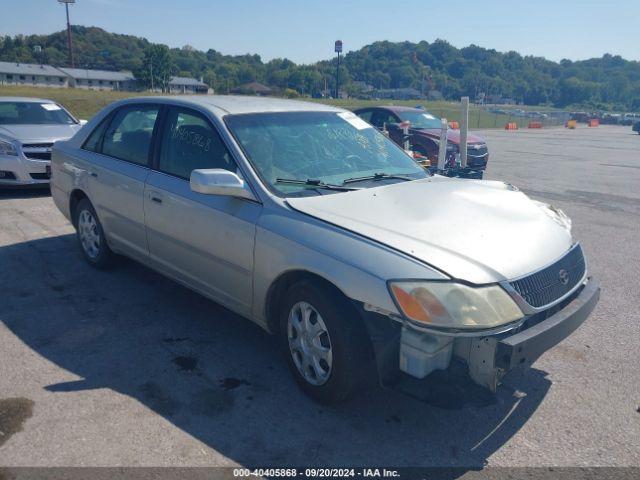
[{"x": 490, "y": 358}]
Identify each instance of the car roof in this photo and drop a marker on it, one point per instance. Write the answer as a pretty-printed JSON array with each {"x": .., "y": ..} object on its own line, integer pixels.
[
  {"x": 398, "y": 108},
  {"x": 238, "y": 104},
  {"x": 391, "y": 108},
  {"x": 25, "y": 99}
]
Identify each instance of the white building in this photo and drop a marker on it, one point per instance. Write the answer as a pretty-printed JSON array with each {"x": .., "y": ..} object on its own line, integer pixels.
[
  {"x": 30, "y": 74},
  {"x": 99, "y": 79},
  {"x": 187, "y": 85}
]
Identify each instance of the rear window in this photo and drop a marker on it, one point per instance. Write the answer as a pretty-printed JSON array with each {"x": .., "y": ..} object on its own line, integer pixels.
[
  {"x": 128, "y": 135},
  {"x": 94, "y": 142}
]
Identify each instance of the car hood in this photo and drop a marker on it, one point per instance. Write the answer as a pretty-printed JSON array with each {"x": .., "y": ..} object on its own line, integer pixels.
[
  {"x": 453, "y": 136},
  {"x": 477, "y": 231},
  {"x": 39, "y": 133}
]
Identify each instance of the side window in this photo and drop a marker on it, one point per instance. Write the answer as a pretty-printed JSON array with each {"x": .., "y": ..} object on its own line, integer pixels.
[
  {"x": 128, "y": 136},
  {"x": 366, "y": 115},
  {"x": 376, "y": 118},
  {"x": 93, "y": 143},
  {"x": 189, "y": 142},
  {"x": 382, "y": 116}
]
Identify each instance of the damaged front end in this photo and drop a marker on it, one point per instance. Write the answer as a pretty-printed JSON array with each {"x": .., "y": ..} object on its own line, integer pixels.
[{"x": 404, "y": 347}]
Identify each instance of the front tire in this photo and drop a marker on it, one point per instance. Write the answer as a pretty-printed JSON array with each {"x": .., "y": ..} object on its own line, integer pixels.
[
  {"x": 93, "y": 243},
  {"x": 325, "y": 343}
]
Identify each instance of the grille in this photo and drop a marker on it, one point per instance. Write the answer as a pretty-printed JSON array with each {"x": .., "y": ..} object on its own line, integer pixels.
[
  {"x": 477, "y": 157},
  {"x": 545, "y": 286},
  {"x": 38, "y": 155},
  {"x": 40, "y": 176},
  {"x": 37, "y": 145},
  {"x": 37, "y": 151},
  {"x": 477, "y": 152}
]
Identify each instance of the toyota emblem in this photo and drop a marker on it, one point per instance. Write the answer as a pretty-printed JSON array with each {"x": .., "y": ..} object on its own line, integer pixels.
[{"x": 563, "y": 275}]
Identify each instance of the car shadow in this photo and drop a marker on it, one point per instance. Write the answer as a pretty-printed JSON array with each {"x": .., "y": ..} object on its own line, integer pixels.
[{"x": 221, "y": 378}]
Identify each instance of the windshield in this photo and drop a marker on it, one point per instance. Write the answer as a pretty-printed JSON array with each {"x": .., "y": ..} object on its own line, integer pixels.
[
  {"x": 420, "y": 119},
  {"x": 326, "y": 147},
  {"x": 33, "y": 113}
]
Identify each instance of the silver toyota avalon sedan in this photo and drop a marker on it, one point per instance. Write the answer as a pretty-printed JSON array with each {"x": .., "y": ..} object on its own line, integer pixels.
[
  {"x": 28, "y": 129},
  {"x": 308, "y": 221}
]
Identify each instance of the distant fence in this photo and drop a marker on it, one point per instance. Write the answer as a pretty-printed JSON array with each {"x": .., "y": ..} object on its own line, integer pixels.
[
  {"x": 491, "y": 116},
  {"x": 502, "y": 116}
]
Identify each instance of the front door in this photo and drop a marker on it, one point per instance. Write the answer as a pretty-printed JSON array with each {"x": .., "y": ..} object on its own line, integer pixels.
[{"x": 205, "y": 241}]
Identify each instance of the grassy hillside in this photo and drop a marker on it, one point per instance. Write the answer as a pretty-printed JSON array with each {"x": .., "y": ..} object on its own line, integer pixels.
[
  {"x": 606, "y": 83},
  {"x": 85, "y": 103}
]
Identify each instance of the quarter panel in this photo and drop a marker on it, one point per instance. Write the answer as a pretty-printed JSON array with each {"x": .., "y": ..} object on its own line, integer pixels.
[{"x": 69, "y": 171}]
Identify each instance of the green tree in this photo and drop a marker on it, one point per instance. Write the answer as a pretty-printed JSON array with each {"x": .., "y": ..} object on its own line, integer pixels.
[{"x": 157, "y": 67}]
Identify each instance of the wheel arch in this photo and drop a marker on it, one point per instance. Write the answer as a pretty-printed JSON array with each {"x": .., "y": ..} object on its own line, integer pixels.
[
  {"x": 75, "y": 197},
  {"x": 278, "y": 289}
]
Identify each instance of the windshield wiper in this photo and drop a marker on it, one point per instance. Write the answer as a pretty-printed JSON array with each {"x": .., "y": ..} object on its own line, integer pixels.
[
  {"x": 313, "y": 182},
  {"x": 377, "y": 176}
]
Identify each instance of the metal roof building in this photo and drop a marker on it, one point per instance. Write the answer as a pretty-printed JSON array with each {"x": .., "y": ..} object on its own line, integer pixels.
[
  {"x": 99, "y": 79},
  {"x": 13, "y": 73},
  {"x": 253, "y": 88},
  {"x": 187, "y": 85}
]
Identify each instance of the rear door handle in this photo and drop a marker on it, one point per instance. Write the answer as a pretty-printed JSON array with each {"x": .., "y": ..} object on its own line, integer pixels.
[
  {"x": 155, "y": 197},
  {"x": 93, "y": 174}
]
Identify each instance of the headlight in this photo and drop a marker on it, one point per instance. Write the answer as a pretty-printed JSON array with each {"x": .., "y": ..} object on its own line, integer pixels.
[
  {"x": 7, "y": 148},
  {"x": 451, "y": 305}
]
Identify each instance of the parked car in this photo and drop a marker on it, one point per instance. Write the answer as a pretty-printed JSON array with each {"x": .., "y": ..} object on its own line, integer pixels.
[
  {"x": 308, "y": 221},
  {"x": 636, "y": 127},
  {"x": 28, "y": 129},
  {"x": 424, "y": 134},
  {"x": 630, "y": 119}
]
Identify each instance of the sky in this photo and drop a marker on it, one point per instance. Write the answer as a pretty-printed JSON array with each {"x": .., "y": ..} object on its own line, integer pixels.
[{"x": 305, "y": 31}]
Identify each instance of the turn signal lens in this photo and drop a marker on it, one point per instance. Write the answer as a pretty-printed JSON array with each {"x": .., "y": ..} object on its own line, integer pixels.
[{"x": 410, "y": 305}]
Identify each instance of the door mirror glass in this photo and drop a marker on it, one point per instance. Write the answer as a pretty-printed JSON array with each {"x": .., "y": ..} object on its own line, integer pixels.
[{"x": 218, "y": 181}]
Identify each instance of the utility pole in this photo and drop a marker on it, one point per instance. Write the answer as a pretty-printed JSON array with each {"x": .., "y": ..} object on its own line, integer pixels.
[
  {"x": 151, "y": 71},
  {"x": 69, "y": 43},
  {"x": 464, "y": 128},
  {"x": 338, "y": 49}
]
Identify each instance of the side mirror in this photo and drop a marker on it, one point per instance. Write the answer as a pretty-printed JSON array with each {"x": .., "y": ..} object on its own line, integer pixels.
[
  {"x": 82, "y": 122},
  {"x": 218, "y": 181}
]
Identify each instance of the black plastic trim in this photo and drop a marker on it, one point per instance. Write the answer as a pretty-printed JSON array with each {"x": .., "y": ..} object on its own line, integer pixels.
[{"x": 525, "y": 347}]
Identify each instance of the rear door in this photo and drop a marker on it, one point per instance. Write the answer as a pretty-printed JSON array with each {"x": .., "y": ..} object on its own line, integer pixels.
[
  {"x": 119, "y": 166},
  {"x": 205, "y": 241}
]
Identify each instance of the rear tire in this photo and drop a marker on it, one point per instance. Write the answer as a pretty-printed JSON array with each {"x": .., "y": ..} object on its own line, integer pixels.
[
  {"x": 91, "y": 238},
  {"x": 325, "y": 343}
]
